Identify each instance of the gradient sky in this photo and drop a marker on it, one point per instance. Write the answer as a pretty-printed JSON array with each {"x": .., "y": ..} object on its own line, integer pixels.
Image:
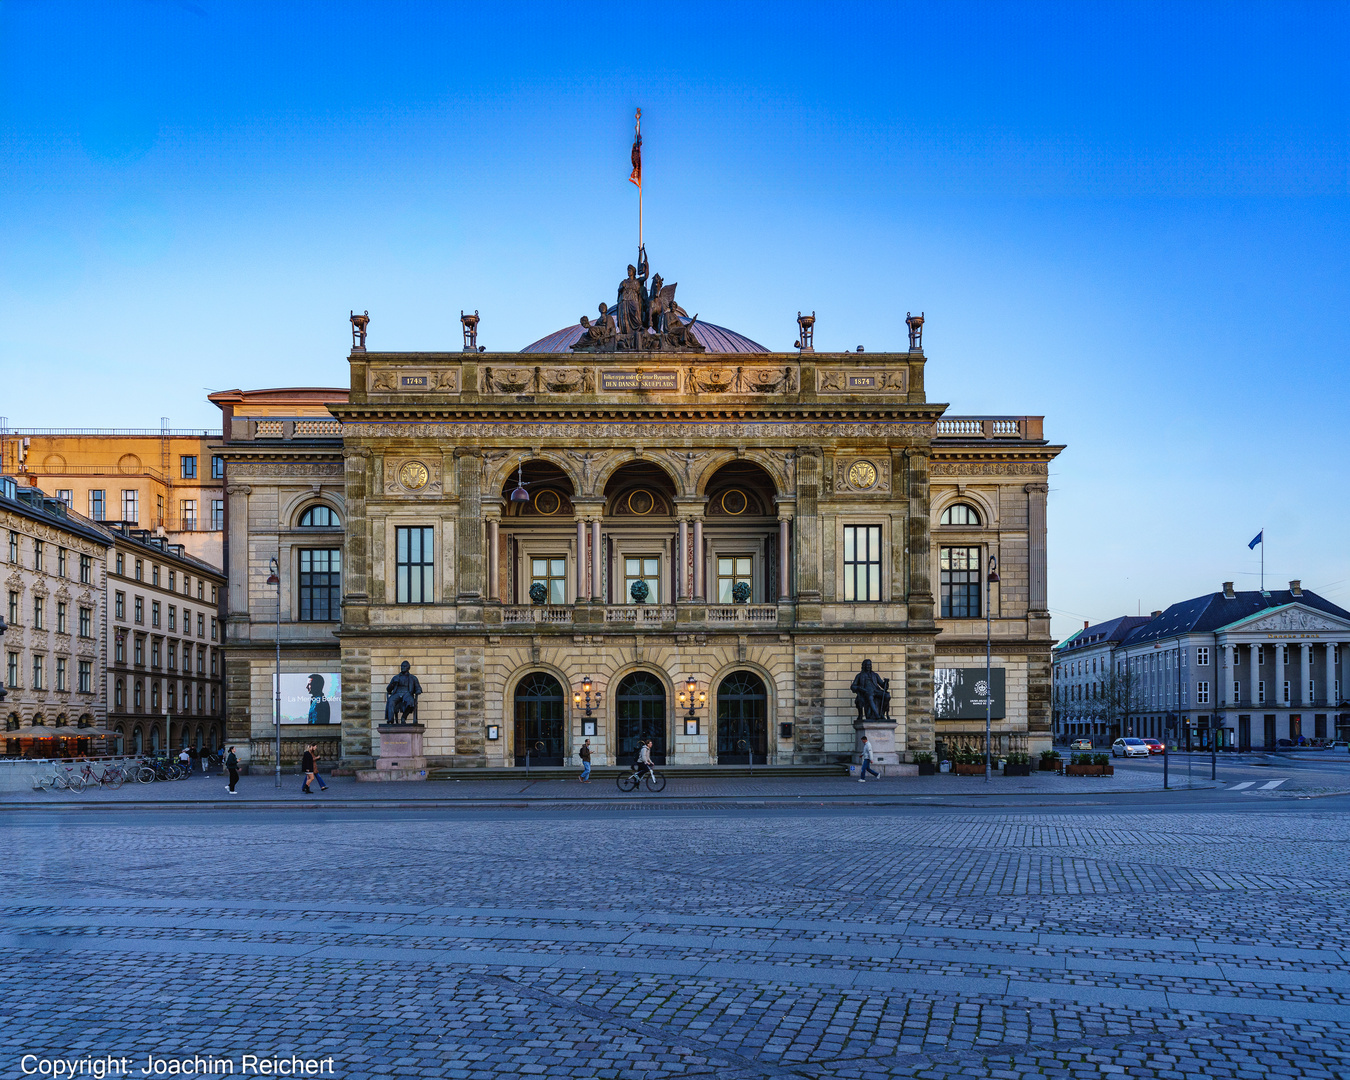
[{"x": 1131, "y": 218}]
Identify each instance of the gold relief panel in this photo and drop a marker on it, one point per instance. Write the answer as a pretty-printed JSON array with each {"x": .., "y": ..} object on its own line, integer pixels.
[
  {"x": 862, "y": 476},
  {"x": 412, "y": 476},
  {"x": 863, "y": 381}
]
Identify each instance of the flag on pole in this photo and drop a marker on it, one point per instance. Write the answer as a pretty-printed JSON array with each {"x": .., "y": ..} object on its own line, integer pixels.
[
  {"x": 636, "y": 176},
  {"x": 1257, "y": 539}
]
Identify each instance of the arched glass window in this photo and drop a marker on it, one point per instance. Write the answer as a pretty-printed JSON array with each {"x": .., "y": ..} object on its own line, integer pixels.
[
  {"x": 742, "y": 719},
  {"x": 319, "y": 517},
  {"x": 138, "y": 740},
  {"x": 12, "y": 722},
  {"x": 960, "y": 514},
  {"x": 640, "y": 714},
  {"x": 138, "y": 695},
  {"x": 118, "y": 693},
  {"x": 539, "y": 720}
]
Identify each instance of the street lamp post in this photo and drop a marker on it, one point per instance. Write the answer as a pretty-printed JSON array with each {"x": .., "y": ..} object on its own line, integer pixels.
[
  {"x": 274, "y": 578},
  {"x": 989, "y": 580}
]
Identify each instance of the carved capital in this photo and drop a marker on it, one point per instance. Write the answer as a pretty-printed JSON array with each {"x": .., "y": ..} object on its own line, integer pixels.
[
  {"x": 238, "y": 489},
  {"x": 1042, "y": 488}
]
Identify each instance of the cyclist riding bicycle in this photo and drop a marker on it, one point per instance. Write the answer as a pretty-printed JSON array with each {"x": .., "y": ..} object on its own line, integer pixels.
[{"x": 644, "y": 759}]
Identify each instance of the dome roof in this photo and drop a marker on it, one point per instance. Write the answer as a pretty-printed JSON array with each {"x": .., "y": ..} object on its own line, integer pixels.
[{"x": 716, "y": 339}]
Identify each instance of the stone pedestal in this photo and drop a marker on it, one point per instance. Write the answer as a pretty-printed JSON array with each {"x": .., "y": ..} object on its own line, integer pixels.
[
  {"x": 401, "y": 756},
  {"x": 881, "y": 736}
]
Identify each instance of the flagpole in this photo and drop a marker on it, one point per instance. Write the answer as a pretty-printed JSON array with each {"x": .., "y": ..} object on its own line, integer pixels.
[
  {"x": 639, "y": 137},
  {"x": 1263, "y": 530}
]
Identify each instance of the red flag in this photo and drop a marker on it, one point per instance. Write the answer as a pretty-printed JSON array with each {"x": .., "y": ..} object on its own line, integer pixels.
[{"x": 635, "y": 177}]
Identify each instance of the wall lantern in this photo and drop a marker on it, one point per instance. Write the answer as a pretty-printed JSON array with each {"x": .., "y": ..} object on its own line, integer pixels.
[{"x": 587, "y": 696}]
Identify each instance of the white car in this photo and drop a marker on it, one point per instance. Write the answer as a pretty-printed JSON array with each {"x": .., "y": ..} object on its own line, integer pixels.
[{"x": 1129, "y": 748}]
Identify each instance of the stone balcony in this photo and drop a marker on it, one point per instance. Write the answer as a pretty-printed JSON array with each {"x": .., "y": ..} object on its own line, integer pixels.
[{"x": 642, "y": 616}]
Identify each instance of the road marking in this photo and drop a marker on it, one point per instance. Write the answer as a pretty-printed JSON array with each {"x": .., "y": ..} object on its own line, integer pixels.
[
  {"x": 1271, "y": 784},
  {"x": 1241, "y": 786}
]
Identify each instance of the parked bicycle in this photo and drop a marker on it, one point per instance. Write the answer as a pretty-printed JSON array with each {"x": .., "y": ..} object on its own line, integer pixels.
[
  {"x": 111, "y": 776},
  {"x": 60, "y": 777}
]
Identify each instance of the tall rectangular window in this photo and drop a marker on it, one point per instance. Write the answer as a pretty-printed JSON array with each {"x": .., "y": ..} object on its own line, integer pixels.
[
  {"x": 189, "y": 513},
  {"x": 13, "y": 607},
  {"x": 154, "y": 653},
  {"x": 1202, "y": 693},
  {"x": 188, "y": 463},
  {"x": 173, "y": 580},
  {"x": 171, "y": 655},
  {"x": 86, "y": 676},
  {"x": 201, "y": 625},
  {"x": 37, "y": 613},
  {"x": 217, "y": 467},
  {"x": 37, "y": 554},
  {"x": 173, "y": 618},
  {"x": 86, "y": 622},
  {"x": 733, "y": 570},
  {"x": 217, "y": 515},
  {"x": 131, "y": 505},
  {"x": 413, "y": 561},
  {"x": 1202, "y": 656},
  {"x": 120, "y": 649},
  {"x": 62, "y": 613},
  {"x": 862, "y": 562},
  {"x": 960, "y": 572},
  {"x": 67, "y": 496},
  {"x": 201, "y": 659},
  {"x": 1261, "y": 692},
  {"x": 98, "y": 501},
  {"x": 154, "y": 612},
  {"x": 140, "y": 610},
  {"x": 60, "y": 672},
  {"x": 320, "y": 585},
  {"x": 644, "y": 568},
  {"x": 550, "y": 571},
  {"x": 61, "y": 562},
  {"x": 13, "y": 546},
  {"x": 120, "y": 605},
  {"x": 12, "y": 670},
  {"x": 39, "y": 668},
  {"x": 86, "y": 569},
  {"x": 154, "y": 573},
  {"x": 140, "y": 570}
]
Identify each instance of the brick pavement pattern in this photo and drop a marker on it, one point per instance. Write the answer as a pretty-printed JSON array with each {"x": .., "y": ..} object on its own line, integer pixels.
[{"x": 853, "y": 943}]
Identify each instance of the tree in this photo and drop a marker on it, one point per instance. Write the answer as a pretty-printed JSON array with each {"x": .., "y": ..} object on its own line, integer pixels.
[{"x": 1120, "y": 697}]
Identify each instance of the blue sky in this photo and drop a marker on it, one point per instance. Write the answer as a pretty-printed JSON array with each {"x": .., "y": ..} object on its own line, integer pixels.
[{"x": 1131, "y": 218}]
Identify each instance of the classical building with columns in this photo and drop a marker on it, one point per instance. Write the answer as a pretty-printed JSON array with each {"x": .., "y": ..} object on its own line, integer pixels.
[
  {"x": 696, "y": 542},
  {"x": 1243, "y": 669}
]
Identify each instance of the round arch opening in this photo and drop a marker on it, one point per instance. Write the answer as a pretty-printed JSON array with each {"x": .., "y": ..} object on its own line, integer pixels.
[
  {"x": 639, "y": 714},
  {"x": 742, "y": 720},
  {"x": 540, "y": 719}
]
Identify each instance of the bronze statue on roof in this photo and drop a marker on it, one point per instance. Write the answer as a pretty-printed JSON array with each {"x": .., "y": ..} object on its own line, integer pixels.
[{"x": 643, "y": 321}]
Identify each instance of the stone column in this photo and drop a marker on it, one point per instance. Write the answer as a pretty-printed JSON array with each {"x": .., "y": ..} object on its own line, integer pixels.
[
  {"x": 784, "y": 563},
  {"x": 469, "y": 572},
  {"x": 237, "y": 568},
  {"x": 493, "y": 557},
  {"x": 1279, "y": 675},
  {"x": 595, "y": 561},
  {"x": 1331, "y": 675},
  {"x": 682, "y": 563},
  {"x": 698, "y": 558},
  {"x": 1253, "y": 661},
  {"x": 1305, "y": 694},
  {"x": 920, "y": 576},
  {"x": 581, "y": 561}
]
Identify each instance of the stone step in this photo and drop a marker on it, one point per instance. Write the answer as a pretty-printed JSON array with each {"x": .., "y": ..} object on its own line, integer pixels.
[{"x": 611, "y": 772}]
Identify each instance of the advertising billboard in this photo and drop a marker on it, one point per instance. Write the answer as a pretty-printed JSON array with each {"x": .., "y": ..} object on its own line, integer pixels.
[
  {"x": 962, "y": 693},
  {"x": 312, "y": 698}
]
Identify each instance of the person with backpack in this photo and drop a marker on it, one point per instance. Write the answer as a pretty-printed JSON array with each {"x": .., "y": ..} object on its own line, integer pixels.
[
  {"x": 232, "y": 764},
  {"x": 585, "y": 754},
  {"x": 644, "y": 759}
]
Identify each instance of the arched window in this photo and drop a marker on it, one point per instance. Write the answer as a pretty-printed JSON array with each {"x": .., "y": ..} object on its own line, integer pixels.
[
  {"x": 154, "y": 740},
  {"x": 118, "y": 693},
  {"x": 138, "y": 695},
  {"x": 39, "y": 721},
  {"x": 12, "y": 722},
  {"x": 742, "y": 719},
  {"x": 539, "y": 720},
  {"x": 640, "y": 714},
  {"x": 320, "y": 517},
  {"x": 138, "y": 740},
  {"x": 62, "y": 720},
  {"x": 960, "y": 514}
]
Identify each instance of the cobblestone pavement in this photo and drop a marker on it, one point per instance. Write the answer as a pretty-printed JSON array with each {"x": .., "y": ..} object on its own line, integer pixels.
[{"x": 853, "y": 942}]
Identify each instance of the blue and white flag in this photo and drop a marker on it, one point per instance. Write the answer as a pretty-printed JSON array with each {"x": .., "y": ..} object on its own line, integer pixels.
[{"x": 1257, "y": 539}]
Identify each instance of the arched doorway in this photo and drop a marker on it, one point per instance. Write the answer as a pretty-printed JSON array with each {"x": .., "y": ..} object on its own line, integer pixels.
[
  {"x": 539, "y": 720},
  {"x": 640, "y": 714},
  {"x": 742, "y": 719}
]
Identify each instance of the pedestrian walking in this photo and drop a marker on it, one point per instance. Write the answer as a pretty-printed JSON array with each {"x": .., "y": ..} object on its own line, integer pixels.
[
  {"x": 866, "y": 766},
  {"x": 232, "y": 764},
  {"x": 585, "y": 754},
  {"x": 310, "y": 764}
]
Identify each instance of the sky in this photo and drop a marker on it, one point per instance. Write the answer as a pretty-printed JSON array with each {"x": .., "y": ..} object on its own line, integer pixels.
[{"x": 1130, "y": 218}]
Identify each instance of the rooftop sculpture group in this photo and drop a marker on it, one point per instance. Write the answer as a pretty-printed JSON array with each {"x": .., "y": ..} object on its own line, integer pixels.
[{"x": 642, "y": 319}]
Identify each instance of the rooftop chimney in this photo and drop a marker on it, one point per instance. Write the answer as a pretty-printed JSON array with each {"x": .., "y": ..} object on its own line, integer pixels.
[
  {"x": 1155, "y": 614},
  {"x": 1085, "y": 624},
  {"x": 1228, "y": 592},
  {"x": 1296, "y": 587}
]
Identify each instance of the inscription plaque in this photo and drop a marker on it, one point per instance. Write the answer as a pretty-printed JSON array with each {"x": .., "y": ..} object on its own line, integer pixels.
[
  {"x": 414, "y": 382},
  {"x": 661, "y": 379}
]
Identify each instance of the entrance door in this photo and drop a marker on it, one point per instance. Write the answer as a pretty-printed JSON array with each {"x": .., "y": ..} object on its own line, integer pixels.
[
  {"x": 1244, "y": 733},
  {"x": 640, "y": 714},
  {"x": 1295, "y": 729},
  {"x": 539, "y": 720},
  {"x": 742, "y": 719},
  {"x": 1270, "y": 731}
]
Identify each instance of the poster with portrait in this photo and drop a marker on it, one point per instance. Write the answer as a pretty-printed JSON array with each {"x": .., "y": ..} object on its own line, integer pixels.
[
  {"x": 310, "y": 698},
  {"x": 962, "y": 693}
]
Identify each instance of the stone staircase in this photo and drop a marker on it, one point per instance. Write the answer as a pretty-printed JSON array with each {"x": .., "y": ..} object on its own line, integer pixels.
[{"x": 609, "y": 773}]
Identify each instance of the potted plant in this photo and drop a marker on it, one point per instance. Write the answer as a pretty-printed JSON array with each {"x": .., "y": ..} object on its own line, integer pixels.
[
  {"x": 968, "y": 763},
  {"x": 1089, "y": 765},
  {"x": 927, "y": 766},
  {"x": 1051, "y": 761},
  {"x": 1017, "y": 765},
  {"x": 740, "y": 592}
]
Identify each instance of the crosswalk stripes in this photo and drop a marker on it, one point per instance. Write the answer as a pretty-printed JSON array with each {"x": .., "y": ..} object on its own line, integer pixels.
[
  {"x": 1269, "y": 785},
  {"x": 1242, "y": 786}
]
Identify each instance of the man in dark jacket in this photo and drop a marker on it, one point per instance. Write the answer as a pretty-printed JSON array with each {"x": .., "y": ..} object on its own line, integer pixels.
[
  {"x": 232, "y": 763},
  {"x": 309, "y": 763}
]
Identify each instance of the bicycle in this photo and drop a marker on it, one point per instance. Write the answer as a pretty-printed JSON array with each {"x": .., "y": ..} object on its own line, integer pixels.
[
  {"x": 633, "y": 781},
  {"x": 111, "y": 776},
  {"x": 63, "y": 778}
]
